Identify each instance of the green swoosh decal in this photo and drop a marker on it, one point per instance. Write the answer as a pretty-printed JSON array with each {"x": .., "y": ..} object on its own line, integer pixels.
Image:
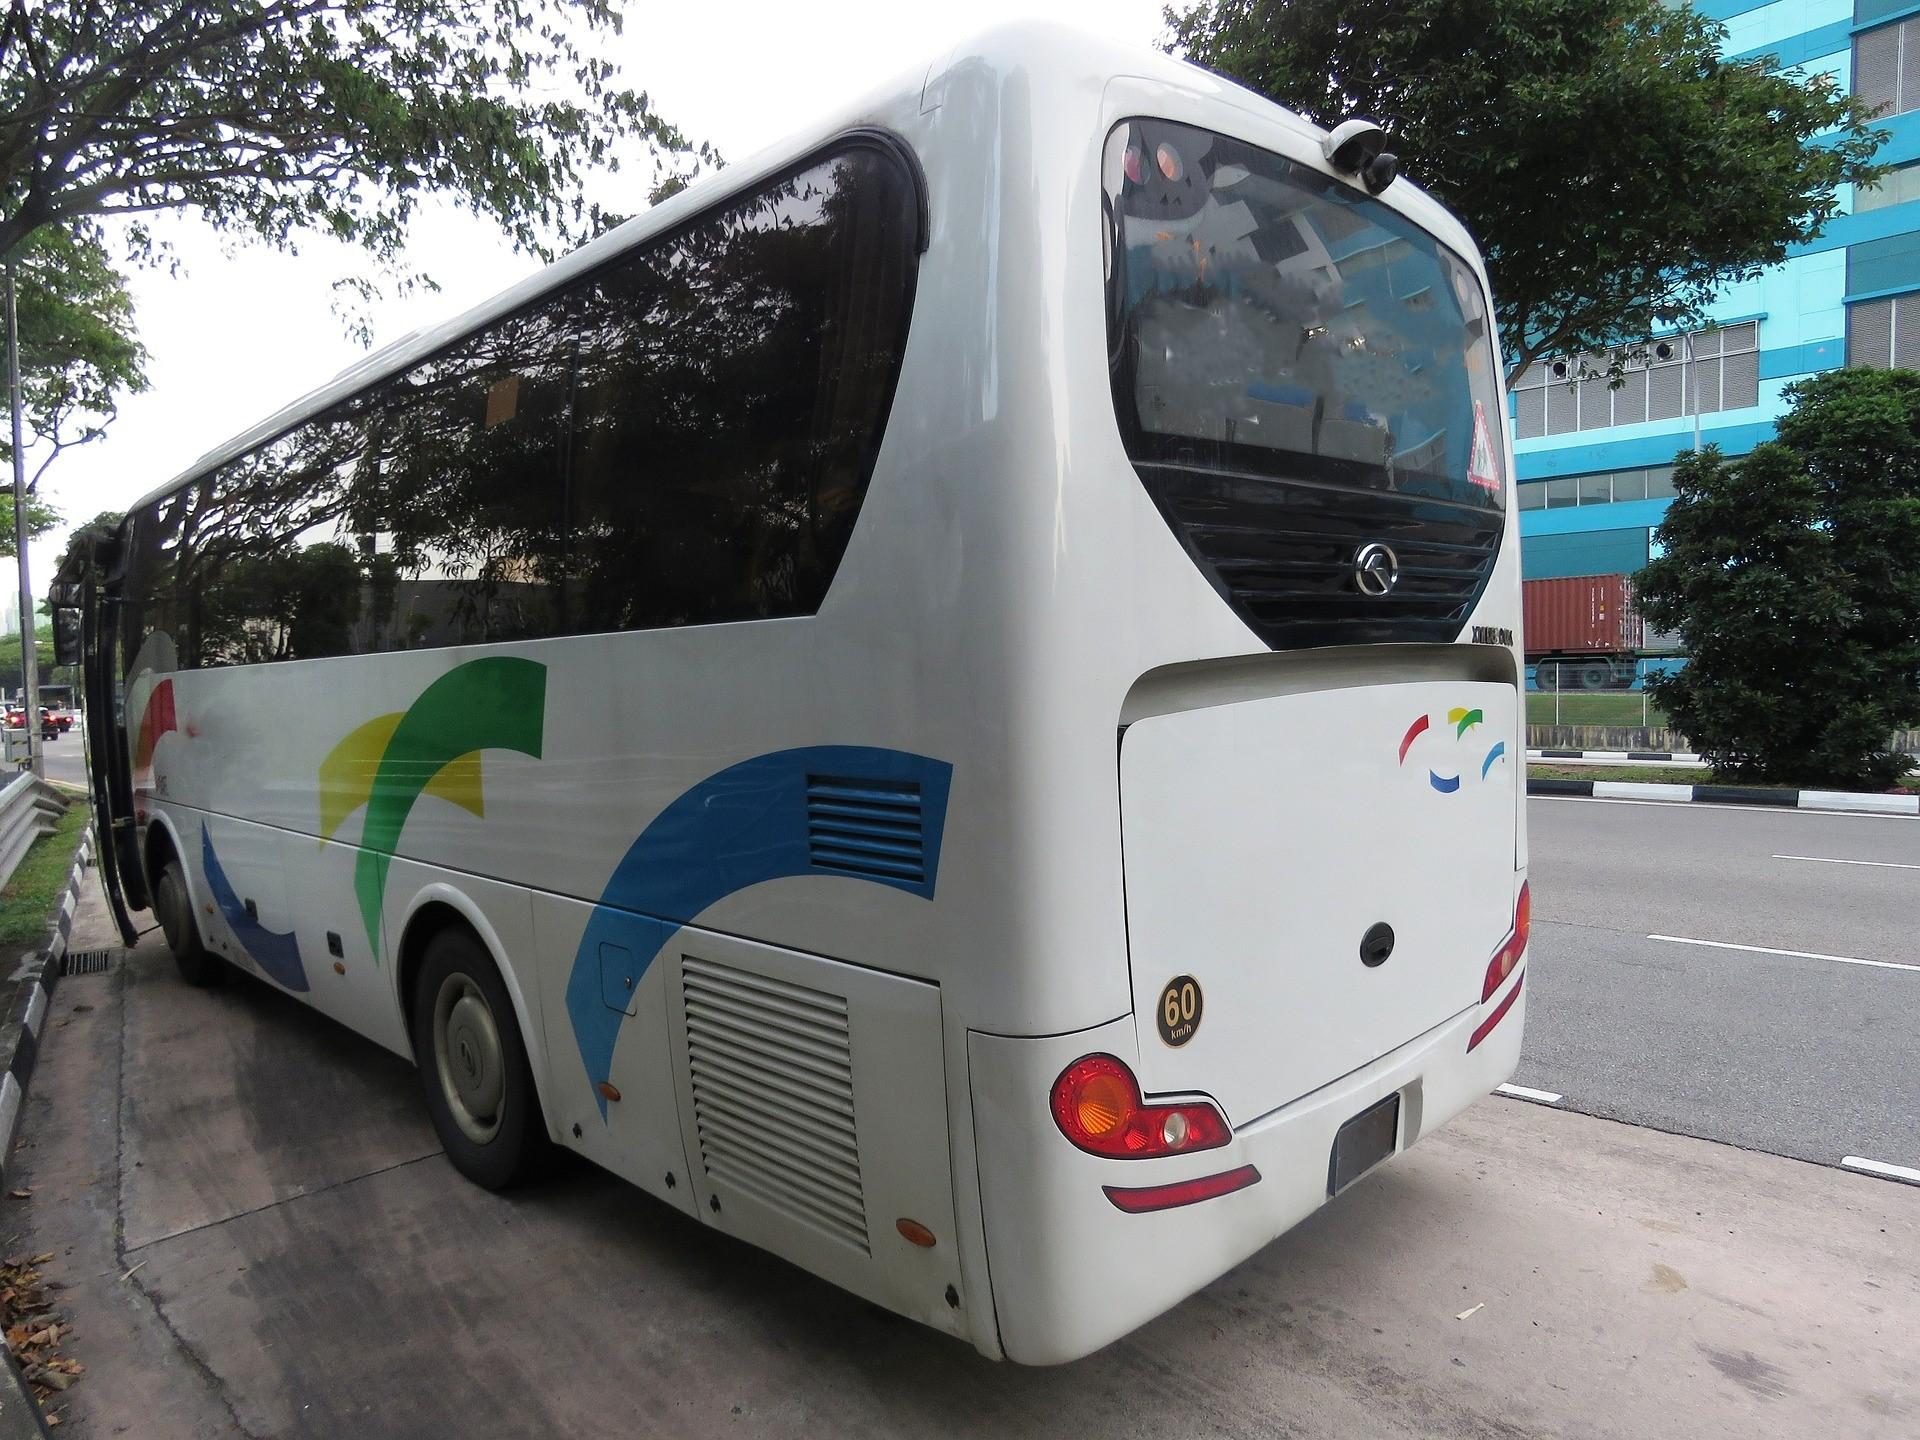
[{"x": 494, "y": 704}]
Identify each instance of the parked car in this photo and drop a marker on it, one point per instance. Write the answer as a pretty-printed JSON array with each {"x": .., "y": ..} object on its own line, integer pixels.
[{"x": 49, "y": 728}]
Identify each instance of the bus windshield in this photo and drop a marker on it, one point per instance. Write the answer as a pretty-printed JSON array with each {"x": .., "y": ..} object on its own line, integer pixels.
[{"x": 1265, "y": 318}]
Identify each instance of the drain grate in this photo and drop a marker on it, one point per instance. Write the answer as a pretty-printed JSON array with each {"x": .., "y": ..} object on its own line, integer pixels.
[{"x": 89, "y": 962}]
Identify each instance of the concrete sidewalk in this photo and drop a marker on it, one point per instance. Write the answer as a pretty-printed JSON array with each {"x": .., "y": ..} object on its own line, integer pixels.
[{"x": 258, "y": 1237}]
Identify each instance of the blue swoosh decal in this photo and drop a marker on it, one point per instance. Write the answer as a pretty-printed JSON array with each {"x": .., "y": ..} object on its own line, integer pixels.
[
  {"x": 1499, "y": 749},
  {"x": 1445, "y": 784},
  {"x": 278, "y": 955},
  {"x": 741, "y": 826}
]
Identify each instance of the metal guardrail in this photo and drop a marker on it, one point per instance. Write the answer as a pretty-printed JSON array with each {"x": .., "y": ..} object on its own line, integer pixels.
[{"x": 29, "y": 808}]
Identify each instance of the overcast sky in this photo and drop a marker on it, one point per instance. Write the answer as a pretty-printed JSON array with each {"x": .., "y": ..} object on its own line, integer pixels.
[{"x": 243, "y": 330}]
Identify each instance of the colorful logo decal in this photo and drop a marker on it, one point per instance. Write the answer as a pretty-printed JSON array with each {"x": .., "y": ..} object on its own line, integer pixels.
[
  {"x": 431, "y": 748},
  {"x": 276, "y": 954},
  {"x": 1462, "y": 720},
  {"x": 745, "y": 824}
]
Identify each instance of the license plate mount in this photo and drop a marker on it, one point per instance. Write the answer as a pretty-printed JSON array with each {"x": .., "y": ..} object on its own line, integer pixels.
[{"x": 1363, "y": 1142}]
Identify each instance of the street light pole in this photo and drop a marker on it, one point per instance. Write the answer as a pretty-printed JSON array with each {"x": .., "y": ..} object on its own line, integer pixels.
[{"x": 29, "y": 677}]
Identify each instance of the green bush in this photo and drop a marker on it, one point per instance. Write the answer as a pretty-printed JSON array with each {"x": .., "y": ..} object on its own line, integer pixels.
[{"x": 1794, "y": 576}]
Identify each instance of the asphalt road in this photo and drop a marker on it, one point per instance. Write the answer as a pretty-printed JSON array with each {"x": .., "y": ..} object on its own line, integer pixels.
[
  {"x": 66, "y": 762},
  {"x": 254, "y": 1234},
  {"x": 1797, "y": 1055}
]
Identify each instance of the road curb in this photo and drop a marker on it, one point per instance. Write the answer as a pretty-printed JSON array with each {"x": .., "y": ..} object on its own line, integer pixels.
[
  {"x": 28, "y": 998},
  {"x": 1669, "y": 757},
  {"x": 1830, "y": 800}
]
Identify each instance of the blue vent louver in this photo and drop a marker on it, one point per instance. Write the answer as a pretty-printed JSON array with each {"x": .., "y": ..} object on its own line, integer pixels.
[{"x": 870, "y": 828}]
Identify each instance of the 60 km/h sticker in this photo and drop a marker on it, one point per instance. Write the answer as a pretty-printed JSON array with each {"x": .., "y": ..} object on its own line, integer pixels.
[{"x": 1178, "y": 1013}]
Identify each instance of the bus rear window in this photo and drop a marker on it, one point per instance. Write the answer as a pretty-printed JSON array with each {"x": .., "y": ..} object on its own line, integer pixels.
[{"x": 1266, "y": 319}]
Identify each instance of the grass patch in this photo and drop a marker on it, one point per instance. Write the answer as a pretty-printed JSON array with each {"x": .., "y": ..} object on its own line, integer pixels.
[
  {"x": 1622, "y": 708},
  {"x": 1674, "y": 775},
  {"x": 28, "y": 899}
]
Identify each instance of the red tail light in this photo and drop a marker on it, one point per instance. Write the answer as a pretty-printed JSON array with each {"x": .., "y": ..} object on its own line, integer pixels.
[
  {"x": 1097, "y": 1105},
  {"x": 1513, "y": 947}
]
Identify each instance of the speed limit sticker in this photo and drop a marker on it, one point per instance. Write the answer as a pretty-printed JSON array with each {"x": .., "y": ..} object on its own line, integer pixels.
[{"x": 1179, "y": 1010}]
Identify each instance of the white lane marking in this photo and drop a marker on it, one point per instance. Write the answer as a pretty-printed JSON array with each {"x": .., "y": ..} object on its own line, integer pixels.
[
  {"x": 1830, "y": 860},
  {"x": 1521, "y": 1092},
  {"x": 1880, "y": 1167},
  {"x": 1796, "y": 954}
]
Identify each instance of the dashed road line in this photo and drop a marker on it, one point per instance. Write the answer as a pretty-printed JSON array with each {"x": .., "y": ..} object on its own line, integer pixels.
[
  {"x": 1522, "y": 1092},
  {"x": 1882, "y": 1169},
  {"x": 1795, "y": 954},
  {"x": 1830, "y": 860}
]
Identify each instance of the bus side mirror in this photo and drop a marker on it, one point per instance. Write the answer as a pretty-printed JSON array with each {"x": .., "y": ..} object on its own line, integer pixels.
[{"x": 66, "y": 636}]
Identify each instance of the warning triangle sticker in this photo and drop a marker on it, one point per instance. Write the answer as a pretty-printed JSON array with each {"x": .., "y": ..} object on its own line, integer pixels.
[{"x": 1481, "y": 469}]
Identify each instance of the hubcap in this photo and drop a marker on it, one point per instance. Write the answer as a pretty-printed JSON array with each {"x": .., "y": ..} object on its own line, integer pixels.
[{"x": 466, "y": 1053}]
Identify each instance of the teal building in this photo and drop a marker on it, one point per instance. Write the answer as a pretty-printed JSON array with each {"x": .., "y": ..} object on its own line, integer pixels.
[{"x": 1594, "y": 464}]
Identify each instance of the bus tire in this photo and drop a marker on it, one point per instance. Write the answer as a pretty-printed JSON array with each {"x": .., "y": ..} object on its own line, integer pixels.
[
  {"x": 473, "y": 1064},
  {"x": 173, "y": 906}
]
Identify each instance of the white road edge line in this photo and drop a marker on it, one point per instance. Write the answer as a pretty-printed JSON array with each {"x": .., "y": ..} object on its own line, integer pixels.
[
  {"x": 1722, "y": 805},
  {"x": 1829, "y": 860},
  {"x": 1521, "y": 1092},
  {"x": 1796, "y": 954},
  {"x": 1881, "y": 1168}
]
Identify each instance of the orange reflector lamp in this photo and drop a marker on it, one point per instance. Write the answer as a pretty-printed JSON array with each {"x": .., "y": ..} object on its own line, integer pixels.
[
  {"x": 1141, "y": 1200},
  {"x": 914, "y": 1233},
  {"x": 1097, "y": 1105}
]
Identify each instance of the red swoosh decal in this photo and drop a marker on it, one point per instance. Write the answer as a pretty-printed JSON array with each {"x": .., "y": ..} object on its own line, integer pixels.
[
  {"x": 155, "y": 721},
  {"x": 1413, "y": 732}
]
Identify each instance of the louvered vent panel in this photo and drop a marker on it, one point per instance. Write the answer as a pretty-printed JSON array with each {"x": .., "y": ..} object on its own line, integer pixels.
[
  {"x": 772, "y": 1079},
  {"x": 866, "y": 827}
]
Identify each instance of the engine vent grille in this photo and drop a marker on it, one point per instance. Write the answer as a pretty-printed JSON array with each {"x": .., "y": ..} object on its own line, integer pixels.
[
  {"x": 1282, "y": 553},
  {"x": 772, "y": 1078},
  {"x": 871, "y": 828}
]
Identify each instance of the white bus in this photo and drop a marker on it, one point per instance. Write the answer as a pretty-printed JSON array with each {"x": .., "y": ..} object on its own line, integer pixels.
[{"x": 945, "y": 701}]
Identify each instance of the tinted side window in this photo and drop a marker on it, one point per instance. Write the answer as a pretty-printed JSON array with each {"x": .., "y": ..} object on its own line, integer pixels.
[
  {"x": 732, "y": 387},
  {"x": 683, "y": 436}
]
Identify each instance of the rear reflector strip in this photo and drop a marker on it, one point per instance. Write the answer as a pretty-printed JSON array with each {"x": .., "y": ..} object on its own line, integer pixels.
[
  {"x": 1139, "y": 1200},
  {"x": 1500, "y": 1011}
]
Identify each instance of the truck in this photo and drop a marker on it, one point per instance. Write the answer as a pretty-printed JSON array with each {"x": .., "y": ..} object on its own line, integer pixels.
[{"x": 1583, "y": 632}]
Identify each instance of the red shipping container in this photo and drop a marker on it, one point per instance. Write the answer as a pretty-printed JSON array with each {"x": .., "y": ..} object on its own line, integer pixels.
[{"x": 1580, "y": 615}]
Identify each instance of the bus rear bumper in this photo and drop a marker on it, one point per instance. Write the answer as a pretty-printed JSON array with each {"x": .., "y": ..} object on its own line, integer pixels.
[{"x": 1071, "y": 1271}]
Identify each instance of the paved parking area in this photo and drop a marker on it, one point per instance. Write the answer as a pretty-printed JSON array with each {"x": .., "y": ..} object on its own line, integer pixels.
[{"x": 258, "y": 1237}]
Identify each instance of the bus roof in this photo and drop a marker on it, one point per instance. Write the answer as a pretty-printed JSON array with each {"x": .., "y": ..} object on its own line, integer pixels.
[{"x": 1057, "y": 51}]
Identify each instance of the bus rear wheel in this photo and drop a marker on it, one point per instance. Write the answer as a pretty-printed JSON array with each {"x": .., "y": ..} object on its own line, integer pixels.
[
  {"x": 473, "y": 1065},
  {"x": 173, "y": 906}
]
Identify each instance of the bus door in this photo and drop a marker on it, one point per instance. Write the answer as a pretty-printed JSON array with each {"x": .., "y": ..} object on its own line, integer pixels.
[{"x": 86, "y": 632}]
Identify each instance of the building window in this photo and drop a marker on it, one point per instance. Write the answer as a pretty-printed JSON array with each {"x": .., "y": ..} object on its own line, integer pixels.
[
  {"x": 1602, "y": 487},
  {"x": 1896, "y": 187},
  {"x": 1550, "y": 399},
  {"x": 1883, "y": 80},
  {"x": 1885, "y": 333}
]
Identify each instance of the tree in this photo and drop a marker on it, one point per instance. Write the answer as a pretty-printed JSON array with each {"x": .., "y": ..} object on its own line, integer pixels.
[
  {"x": 1614, "y": 169},
  {"x": 328, "y": 117},
  {"x": 1793, "y": 576},
  {"x": 78, "y": 353},
  {"x": 41, "y": 517}
]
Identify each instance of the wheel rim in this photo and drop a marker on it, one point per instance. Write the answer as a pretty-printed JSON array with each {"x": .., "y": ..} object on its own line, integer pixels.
[{"x": 466, "y": 1053}]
